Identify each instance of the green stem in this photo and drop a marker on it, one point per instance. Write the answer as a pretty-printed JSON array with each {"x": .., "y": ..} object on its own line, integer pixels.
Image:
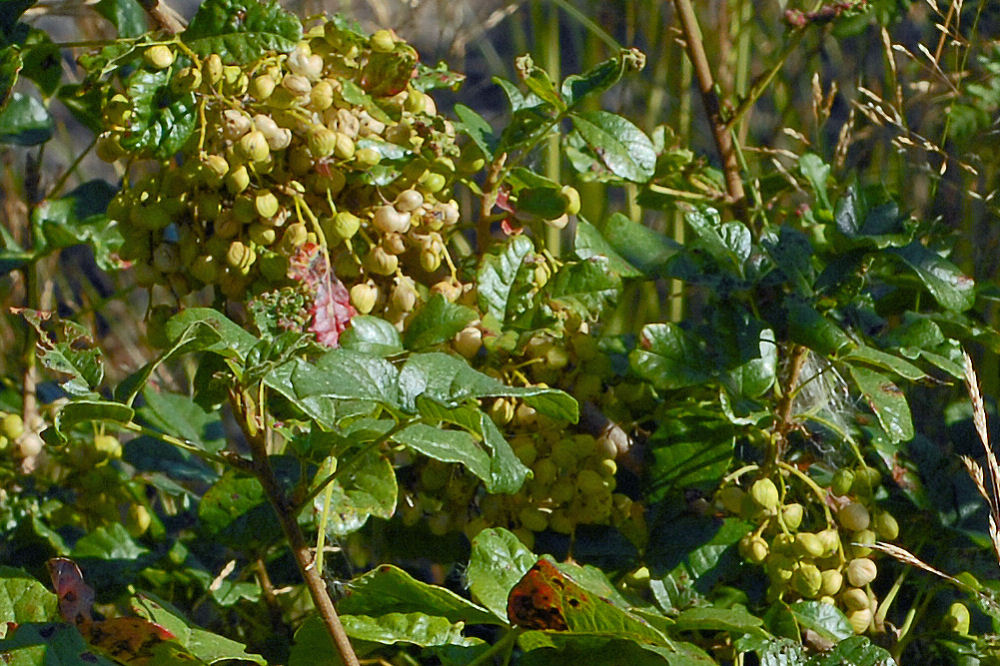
[
  {"x": 506, "y": 643},
  {"x": 59, "y": 184}
]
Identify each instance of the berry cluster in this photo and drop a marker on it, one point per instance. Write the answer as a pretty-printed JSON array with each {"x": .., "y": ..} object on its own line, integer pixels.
[
  {"x": 329, "y": 145},
  {"x": 833, "y": 562}
]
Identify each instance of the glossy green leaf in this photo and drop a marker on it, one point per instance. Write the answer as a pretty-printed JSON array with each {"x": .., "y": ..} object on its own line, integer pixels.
[
  {"x": 78, "y": 219},
  {"x": 389, "y": 589},
  {"x": 887, "y": 401},
  {"x": 42, "y": 61},
  {"x": 48, "y": 644},
  {"x": 371, "y": 335},
  {"x": 880, "y": 359},
  {"x": 590, "y": 243},
  {"x": 537, "y": 80},
  {"x": 856, "y": 651},
  {"x": 69, "y": 352},
  {"x": 25, "y": 121},
  {"x": 735, "y": 620},
  {"x": 436, "y": 322},
  {"x": 204, "y": 645},
  {"x": 577, "y": 87},
  {"x": 213, "y": 331},
  {"x": 792, "y": 253},
  {"x": 951, "y": 288},
  {"x": 180, "y": 416},
  {"x": 825, "y": 619},
  {"x": 863, "y": 220},
  {"x": 368, "y": 489},
  {"x": 478, "y": 130},
  {"x": 10, "y": 67},
  {"x": 729, "y": 243},
  {"x": 689, "y": 451},
  {"x": 342, "y": 374},
  {"x": 240, "y": 31},
  {"x": 452, "y": 446},
  {"x": 504, "y": 280},
  {"x": 811, "y": 329},
  {"x": 163, "y": 120},
  {"x": 127, "y": 16},
  {"x": 97, "y": 411},
  {"x": 10, "y": 12},
  {"x": 314, "y": 645},
  {"x": 236, "y": 513},
  {"x": 585, "y": 287},
  {"x": 816, "y": 171},
  {"x": 451, "y": 381},
  {"x": 414, "y": 628},
  {"x": 23, "y": 598},
  {"x": 497, "y": 562},
  {"x": 111, "y": 542},
  {"x": 669, "y": 357},
  {"x": 586, "y": 650},
  {"x": 623, "y": 148}
]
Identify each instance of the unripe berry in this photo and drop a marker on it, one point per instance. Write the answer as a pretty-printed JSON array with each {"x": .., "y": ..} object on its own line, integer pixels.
[
  {"x": 215, "y": 169},
  {"x": 186, "y": 80},
  {"x": 205, "y": 268},
  {"x": 854, "y": 517},
  {"x": 108, "y": 148},
  {"x": 430, "y": 261},
  {"x": 389, "y": 220},
  {"x": 137, "y": 520},
  {"x": 764, "y": 494},
  {"x": 381, "y": 262},
  {"x": 808, "y": 544},
  {"x": 363, "y": 297},
  {"x": 807, "y": 580},
  {"x": 159, "y": 56},
  {"x": 235, "y": 124},
  {"x": 295, "y": 236},
  {"x": 212, "y": 69},
  {"x": 261, "y": 234},
  {"x": 607, "y": 468},
  {"x": 345, "y": 147},
  {"x": 730, "y": 498},
  {"x": 545, "y": 471},
  {"x": 791, "y": 514},
  {"x": 166, "y": 258},
  {"x": 533, "y": 519},
  {"x": 107, "y": 447},
  {"x": 753, "y": 549},
  {"x": 346, "y": 224},
  {"x": 382, "y": 41},
  {"x": 526, "y": 453},
  {"x": 266, "y": 204},
  {"x": 833, "y": 580},
  {"x": 253, "y": 146},
  {"x": 866, "y": 481},
  {"x": 855, "y": 599},
  {"x": 261, "y": 87},
  {"x": 408, "y": 201},
  {"x": 860, "y": 620},
  {"x": 830, "y": 538},
  {"x": 842, "y": 481},
  {"x": 861, "y": 571},
  {"x": 502, "y": 413},
  {"x": 886, "y": 525},
  {"x": 957, "y": 619},
  {"x": 589, "y": 482},
  {"x": 322, "y": 142},
  {"x": 366, "y": 158},
  {"x": 468, "y": 341},
  {"x": 296, "y": 84},
  {"x": 572, "y": 197},
  {"x": 12, "y": 426},
  {"x": 861, "y": 543},
  {"x": 321, "y": 96},
  {"x": 404, "y": 295}
]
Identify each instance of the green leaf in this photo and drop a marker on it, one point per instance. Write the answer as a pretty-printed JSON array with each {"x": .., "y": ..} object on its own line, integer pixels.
[
  {"x": 498, "y": 561},
  {"x": 48, "y": 644},
  {"x": 163, "y": 120},
  {"x": 451, "y": 381},
  {"x": 623, "y": 148},
  {"x": 127, "y": 16},
  {"x": 791, "y": 251},
  {"x": 586, "y": 287},
  {"x": 414, "y": 628},
  {"x": 204, "y": 645},
  {"x": 235, "y": 511},
  {"x": 25, "y": 121},
  {"x": 550, "y": 649},
  {"x": 538, "y": 82},
  {"x": 314, "y": 645},
  {"x": 436, "y": 322},
  {"x": 369, "y": 489},
  {"x": 577, "y": 87},
  {"x": 825, "y": 619},
  {"x": 42, "y": 61},
  {"x": 864, "y": 223},
  {"x": 669, "y": 357},
  {"x": 504, "y": 280},
  {"x": 214, "y": 332},
  {"x": 808, "y": 327},
  {"x": 816, "y": 171},
  {"x": 453, "y": 446},
  {"x": 10, "y": 66},
  {"x": 880, "y": 359},
  {"x": 887, "y": 401},
  {"x": 590, "y": 243},
  {"x": 951, "y": 288},
  {"x": 112, "y": 542},
  {"x": 388, "y": 589},
  {"x": 856, "y": 651},
  {"x": 180, "y": 416},
  {"x": 71, "y": 352},
  {"x": 23, "y": 598},
  {"x": 639, "y": 245},
  {"x": 371, "y": 335},
  {"x": 689, "y": 451},
  {"x": 342, "y": 374},
  {"x": 735, "y": 620},
  {"x": 86, "y": 411},
  {"x": 478, "y": 130},
  {"x": 79, "y": 219},
  {"x": 728, "y": 243},
  {"x": 10, "y": 12},
  {"x": 241, "y": 31}
]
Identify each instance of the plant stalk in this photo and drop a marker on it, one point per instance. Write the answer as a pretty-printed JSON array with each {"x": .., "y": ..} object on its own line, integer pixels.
[
  {"x": 710, "y": 99},
  {"x": 293, "y": 534}
]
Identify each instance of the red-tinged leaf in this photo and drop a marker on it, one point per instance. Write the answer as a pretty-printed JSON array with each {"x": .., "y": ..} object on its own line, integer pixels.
[
  {"x": 330, "y": 307},
  {"x": 76, "y": 598},
  {"x": 127, "y": 639},
  {"x": 536, "y": 602}
]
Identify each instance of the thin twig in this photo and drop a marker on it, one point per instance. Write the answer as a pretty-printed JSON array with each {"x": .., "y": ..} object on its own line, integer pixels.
[
  {"x": 164, "y": 16},
  {"x": 710, "y": 98}
]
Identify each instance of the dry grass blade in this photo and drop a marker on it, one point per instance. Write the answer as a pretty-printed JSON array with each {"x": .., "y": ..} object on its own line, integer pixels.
[{"x": 992, "y": 494}]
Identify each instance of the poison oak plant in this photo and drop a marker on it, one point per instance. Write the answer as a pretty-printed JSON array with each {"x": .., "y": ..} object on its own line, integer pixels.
[{"x": 354, "y": 375}]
